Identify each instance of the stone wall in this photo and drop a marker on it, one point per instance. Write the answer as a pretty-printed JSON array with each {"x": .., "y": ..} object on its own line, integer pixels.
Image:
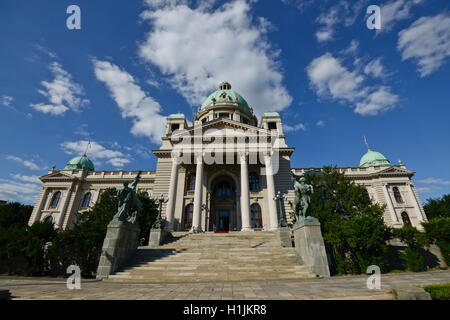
[{"x": 119, "y": 246}]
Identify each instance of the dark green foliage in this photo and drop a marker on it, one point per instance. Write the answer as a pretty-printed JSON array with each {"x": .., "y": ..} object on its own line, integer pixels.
[
  {"x": 439, "y": 291},
  {"x": 146, "y": 216},
  {"x": 41, "y": 250},
  {"x": 82, "y": 245},
  {"x": 352, "y": 226},
  {"x": 413, "y": 238},
  {"x": 25, "y": 243},
  {"x": 437, "y": 231},
  {"x": 14, "y": 214},
  {"x": 438, "y": 208}
]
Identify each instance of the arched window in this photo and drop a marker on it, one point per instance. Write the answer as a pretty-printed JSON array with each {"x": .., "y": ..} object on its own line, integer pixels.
[
  {"x": 405, "y": 218},
  {"x": 188, "y": 216},
  {"x": 224, "y": 190},
  {"x": 255, "y": 215},
  {"x": 253, "y": 181},
  {"x": 397, "y": 195},
  {"x": 86, "y": 200},
  {"x": 191, "y": 182},
  {"x": 146, "y": 194},
  {"x": 55, "y": 199},
  {"x": 49, "y": 219}
]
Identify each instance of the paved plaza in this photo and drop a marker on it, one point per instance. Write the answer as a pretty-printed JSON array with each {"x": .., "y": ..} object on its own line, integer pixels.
[{"x": 346, "y": 287}]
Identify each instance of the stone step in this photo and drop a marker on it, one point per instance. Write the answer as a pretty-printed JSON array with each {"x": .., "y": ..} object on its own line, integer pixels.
[{"x": 215, "y": 257}]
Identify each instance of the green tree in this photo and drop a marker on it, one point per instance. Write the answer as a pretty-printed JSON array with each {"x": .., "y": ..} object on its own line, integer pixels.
[
  {"x": 82, "y": 245},
  {"x": 413, "y": 238},
  {"x": 438, "y": 208},
  {"x": 14, "y": 214},
  {"x": 437, "y": 231},
  {"x": 352, "y": 226}
]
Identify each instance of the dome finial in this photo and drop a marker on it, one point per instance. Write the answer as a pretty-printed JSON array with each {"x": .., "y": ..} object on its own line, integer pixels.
[
  {"x": 365, "y": 141},
  {"x": 224, "y": 85},
  {"x": 88, "y": 145}
]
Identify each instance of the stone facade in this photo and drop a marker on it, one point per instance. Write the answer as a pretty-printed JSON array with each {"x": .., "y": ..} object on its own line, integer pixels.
[{"x": 216, "y": 175}]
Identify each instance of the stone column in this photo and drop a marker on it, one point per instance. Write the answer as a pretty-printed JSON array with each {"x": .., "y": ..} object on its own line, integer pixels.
[
  {"x": 63, "y": 212},
  {"x": 40, "y": 205},
  {"x": 389, "y": 204},
  {"x": 170, "y": 209},
  {"x": 419, "y": 213},
  {"x": 273, "y": 217},
  {"x": 245, "y": 195},
  {"x": 196, "y": 227}
]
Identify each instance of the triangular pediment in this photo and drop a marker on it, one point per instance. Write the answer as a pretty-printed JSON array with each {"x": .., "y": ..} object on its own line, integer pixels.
[
  {"x": 57, "y": 175},
  {"x": 223, "y": 127},
  {"x": 394, "y": 170}
]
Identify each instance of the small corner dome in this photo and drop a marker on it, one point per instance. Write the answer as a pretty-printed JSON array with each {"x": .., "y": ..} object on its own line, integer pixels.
[
  {"x": 225, "y": 95},
  {"x": 80, "y": 163},
  {"x": 373, "y": 159}
]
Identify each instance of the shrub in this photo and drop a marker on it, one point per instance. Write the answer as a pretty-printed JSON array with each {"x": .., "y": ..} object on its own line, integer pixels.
[
  {"x": 439, "y": 291},
  {"x": 437, "y": 231},
  {"x": 352, "y": 226},
  {"x": 413, "y": 238}
]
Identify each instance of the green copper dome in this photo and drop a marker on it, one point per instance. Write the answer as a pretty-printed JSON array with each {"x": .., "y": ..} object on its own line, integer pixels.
[
  {"x": 225, "y": 94},
  {"x": 77, "y": 163},
  {"x": 373, "y": 159}
]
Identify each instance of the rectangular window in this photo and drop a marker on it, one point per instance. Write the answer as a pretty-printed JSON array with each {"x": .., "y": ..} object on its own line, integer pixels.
[{"x": 272, "y": 125}]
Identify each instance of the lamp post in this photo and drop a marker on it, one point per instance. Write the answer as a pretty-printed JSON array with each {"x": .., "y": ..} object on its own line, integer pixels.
[
  {"x": 159, "y": 221},
  {"x": 280, "y": 196}
]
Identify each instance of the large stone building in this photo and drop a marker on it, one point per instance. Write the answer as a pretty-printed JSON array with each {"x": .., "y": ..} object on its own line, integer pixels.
[{"x": 217, "y": 174}]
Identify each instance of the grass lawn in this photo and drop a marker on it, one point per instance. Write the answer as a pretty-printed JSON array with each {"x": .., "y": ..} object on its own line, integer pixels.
[{"x": 439, "y": 291}]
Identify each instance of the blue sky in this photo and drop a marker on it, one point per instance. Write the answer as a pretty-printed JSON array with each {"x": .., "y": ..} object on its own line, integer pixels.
[{"x": 134, "y": 62}]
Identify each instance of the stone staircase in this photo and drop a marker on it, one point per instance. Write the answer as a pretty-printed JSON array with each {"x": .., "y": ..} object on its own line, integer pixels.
[{"x": 230, "y": 256}]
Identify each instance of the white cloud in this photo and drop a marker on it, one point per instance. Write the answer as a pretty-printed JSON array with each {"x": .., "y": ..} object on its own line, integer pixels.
[
  {"x": 328, "y": 20},
  {"x": 379, "y": 100},
  {"x": 95, "y": 151},
  {"x": 339, "y": 12},
  {"x": 82, "y": 130},
  {"x": 17, "y": 191},
  {"x": 435, "y": 181},
  {"x": 32, "y": 178},
  {"x": 330, "y": 79},
  {"x": 320, "y": 123},
  {"x": 427, "y": 42},
  {"x": 394, "y": 11},
  {"x": 352, "y": 48},
  {"x": 288, "y": 128},
  {"x": 197, "y": 48},
  {"x": 29, "y": 164},
  {"x": 133, "y": 102},
  {"x": 375, "y": 69},
  {"x": 62, "y": 93},
  {"x": 6, "y": 100}
]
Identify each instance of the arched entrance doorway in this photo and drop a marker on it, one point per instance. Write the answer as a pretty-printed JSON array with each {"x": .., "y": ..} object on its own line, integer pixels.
[{"x": 223, "y": 204}]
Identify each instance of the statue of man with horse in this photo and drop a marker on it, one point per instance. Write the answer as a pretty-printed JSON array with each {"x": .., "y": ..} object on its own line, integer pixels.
[{"x": 129, "y": 203}]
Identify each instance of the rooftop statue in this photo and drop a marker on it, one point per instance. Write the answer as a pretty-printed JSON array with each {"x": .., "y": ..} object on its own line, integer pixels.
[
  {"x": 302, "y": 202},
  {"x": 129, "y": 203}
]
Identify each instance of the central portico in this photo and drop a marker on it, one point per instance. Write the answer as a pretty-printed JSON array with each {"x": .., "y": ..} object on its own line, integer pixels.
[{"x": 221, "y": 173}]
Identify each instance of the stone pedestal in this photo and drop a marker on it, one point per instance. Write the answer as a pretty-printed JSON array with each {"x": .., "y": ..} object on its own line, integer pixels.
[
  {"x": 284, "y": 236},
  {"x": 120, "y": 244},
  {"x": 309, "y": 245},
  {"x": 158, "y": 237}
]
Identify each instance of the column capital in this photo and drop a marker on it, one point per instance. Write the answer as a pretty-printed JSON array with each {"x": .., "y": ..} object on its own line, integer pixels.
[
  {"x": 176, "y": 156},
  {"x": 243, "y": 156}
]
